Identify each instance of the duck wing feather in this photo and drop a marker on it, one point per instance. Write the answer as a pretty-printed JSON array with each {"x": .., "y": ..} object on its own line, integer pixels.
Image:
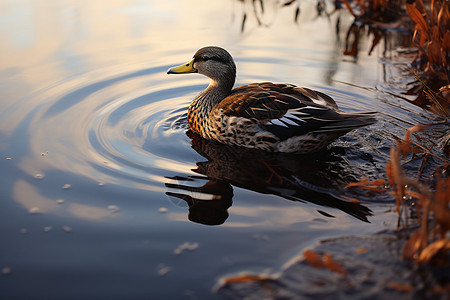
[{"x": 287, "y": 110}]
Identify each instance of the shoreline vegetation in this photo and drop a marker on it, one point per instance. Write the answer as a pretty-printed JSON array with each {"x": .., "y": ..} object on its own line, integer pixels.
[
  {"x": 422, "y": 204},
  {"x": 425, "y": 22},
  {"x": 430, "y": 22}
]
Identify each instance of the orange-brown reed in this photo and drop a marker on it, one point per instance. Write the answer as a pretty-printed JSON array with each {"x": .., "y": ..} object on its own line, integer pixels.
[
  {"x": 432, "y": 36},
  {"x": 430, "y": 243},
  {"x": 432, "y": 39},
  {"x": 430, "y": 21},
  {"x": 432, "y": 205}
]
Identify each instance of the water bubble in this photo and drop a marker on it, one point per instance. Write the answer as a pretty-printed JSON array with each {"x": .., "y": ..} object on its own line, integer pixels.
[
  {"x": 163, "y": 270},
  {"x": 66, "y": 228},
  {"x": 23, "y": 231},
  {"x": 60, "y": 201},
  {"x": 163, "y": 210},
  {"x": 186, "y": 246},
  {"x": 39, "y": 176},
  {"x": 66, "y": 186},
  {"x": 48, "y": 228},
  {"x": 8, "y": 158},
  {"x": 113, "y": 208},
  {"x": 6, "y": 270},
  {"x": 100, "y": 184},
  {"x": 34, "y": 210},
  {"x": 407, "y": 197}
]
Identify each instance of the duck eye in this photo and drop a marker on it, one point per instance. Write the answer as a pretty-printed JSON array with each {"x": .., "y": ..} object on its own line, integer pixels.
[{"x": 205, "y": 58}]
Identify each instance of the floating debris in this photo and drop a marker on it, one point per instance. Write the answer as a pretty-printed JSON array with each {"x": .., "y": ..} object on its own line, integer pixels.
[
  {"x": 34, "y": 210},
  {"x": 60, "y": 201},
  {"x": 39, "y": 176},
  {"x": 100, "y": 184},
  {"x": 48, "y": 228},
  {"x": 8, "y": 158},
  {"x": 323, "y": 261},
  {"x": 23, "y": 231},
  {"x": 66, "y": 228},
  {"x": 186, "y": 246},
  {"x": 113, "y": 208},
  {"x": 244, "y": 278},
  {"x": 163, "y": 269},
  {"x": 6, "y": 271},
  {"x": 163, "y": 210},
  {"x": 66, "y": 186}
]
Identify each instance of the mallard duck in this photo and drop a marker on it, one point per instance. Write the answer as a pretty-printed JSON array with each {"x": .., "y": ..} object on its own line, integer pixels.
[{"x": 267, "y": 116}]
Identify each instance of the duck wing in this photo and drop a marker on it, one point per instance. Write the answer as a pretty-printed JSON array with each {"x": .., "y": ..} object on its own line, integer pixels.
[{"x": 288, "y": 110}]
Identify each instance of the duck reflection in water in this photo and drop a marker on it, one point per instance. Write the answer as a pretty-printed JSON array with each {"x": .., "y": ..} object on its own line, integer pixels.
[
  {"x": 209, "y": 203},
  {"x": 313, "y": 178}
]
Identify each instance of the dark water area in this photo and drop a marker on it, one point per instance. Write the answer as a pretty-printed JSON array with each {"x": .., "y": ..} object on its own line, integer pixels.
[{"x": 105, "y": 194}]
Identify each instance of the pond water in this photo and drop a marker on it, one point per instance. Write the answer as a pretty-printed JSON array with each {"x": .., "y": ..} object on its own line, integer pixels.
[{"x": 104, "y": 194}]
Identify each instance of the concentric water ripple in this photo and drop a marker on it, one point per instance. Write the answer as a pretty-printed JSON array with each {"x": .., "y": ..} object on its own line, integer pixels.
[{"x": 130, "y": 128}]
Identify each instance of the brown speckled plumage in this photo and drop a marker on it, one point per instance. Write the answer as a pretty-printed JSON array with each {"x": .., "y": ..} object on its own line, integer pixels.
[{"x": 267, "y": 116}]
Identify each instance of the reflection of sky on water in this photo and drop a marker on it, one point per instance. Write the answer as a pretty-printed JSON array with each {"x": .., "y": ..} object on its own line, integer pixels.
[
  {"x": 84, "y": 77},
  {"x": 260, "y": 216},
  {"x": 29, "y": 197},
  {"x": 52, "y": 29},
  {"x": 86, "y": 36},
  {"x": 87, "y": 81},
  {"x": 85, "y": 99}
]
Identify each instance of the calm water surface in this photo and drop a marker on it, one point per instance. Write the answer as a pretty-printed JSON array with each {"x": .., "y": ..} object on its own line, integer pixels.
[{"x": 104, "y": 195}]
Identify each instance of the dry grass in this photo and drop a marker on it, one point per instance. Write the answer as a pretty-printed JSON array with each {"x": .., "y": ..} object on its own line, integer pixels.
[
  {"x": 429, "y": 20},
  {"x": 432, "y": 36},
  {"x": 432, "y": 39},
  {"x": 430, "y": 243}
]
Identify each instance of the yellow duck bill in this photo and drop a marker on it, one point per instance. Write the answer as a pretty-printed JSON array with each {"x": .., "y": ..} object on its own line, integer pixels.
[{"x": 184, "y": 68}]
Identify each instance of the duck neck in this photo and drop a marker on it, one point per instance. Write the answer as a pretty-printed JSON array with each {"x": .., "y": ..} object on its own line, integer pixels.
[{"x": 216, "y": 91}]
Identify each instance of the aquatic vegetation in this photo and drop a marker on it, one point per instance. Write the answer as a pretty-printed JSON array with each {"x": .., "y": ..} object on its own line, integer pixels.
[
  {"x": 436, "y": 101},
  {"x": 429, "y": 241},
  {"x": 429, "y": 203},
  {"x": 432, "y": 36},
  {"x": 429, "y": 23},
  {"x": 432, "y": 39},
  {"x": 325, "y": 261}
]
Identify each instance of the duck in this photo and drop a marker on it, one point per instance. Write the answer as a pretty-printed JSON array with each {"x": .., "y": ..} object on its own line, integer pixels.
[{"x": 274, "y": 117}]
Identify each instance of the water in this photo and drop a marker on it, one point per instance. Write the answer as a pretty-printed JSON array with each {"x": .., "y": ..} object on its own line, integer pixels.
[{"x": 105, "y": 196}]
